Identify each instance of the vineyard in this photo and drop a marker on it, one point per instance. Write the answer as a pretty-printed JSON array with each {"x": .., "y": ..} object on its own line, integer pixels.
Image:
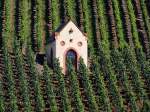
[{"x": 117, "y": 78}]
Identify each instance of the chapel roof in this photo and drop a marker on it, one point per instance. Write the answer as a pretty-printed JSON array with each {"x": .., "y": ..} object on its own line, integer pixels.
[{"x": 61, "y": 27}]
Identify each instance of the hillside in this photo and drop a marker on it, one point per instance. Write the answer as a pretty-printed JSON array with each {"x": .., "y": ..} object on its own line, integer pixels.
[{"x": 118, "y": 75}]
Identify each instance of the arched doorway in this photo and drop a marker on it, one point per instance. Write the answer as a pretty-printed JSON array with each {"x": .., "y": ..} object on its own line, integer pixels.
[{"x": 71, "y": 55}]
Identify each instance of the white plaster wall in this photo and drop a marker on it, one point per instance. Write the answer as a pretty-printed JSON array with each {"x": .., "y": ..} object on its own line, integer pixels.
[{"x": 77, "y": 36}]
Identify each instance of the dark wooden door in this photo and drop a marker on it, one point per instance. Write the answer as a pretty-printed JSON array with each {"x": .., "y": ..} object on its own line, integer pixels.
[{"x": 72, "y": 55}]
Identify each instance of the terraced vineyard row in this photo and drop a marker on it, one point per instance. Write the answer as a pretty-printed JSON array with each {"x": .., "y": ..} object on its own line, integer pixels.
[
  {"x": 117, "y": 87},
  {"x": 117, "y": 78}
]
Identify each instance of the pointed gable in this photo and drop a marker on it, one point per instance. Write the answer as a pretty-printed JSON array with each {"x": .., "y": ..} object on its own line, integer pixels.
[{"x": 69, "y": 28}]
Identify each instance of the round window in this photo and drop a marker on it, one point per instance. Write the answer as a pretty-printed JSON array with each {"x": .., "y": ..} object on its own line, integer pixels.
[
  {"x": 79, "y": 44},
  {"x": 62, "y": 43}
]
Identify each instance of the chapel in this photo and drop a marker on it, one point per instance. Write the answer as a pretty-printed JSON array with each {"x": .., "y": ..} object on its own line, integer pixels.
[{"x": 67, "y": 42}]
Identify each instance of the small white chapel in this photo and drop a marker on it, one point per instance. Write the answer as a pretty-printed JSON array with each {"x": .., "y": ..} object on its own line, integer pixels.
[{"x": 67, "y": 42}]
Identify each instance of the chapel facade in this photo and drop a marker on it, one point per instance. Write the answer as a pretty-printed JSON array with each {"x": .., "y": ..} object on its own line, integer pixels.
[{"x": 67, "y": 42}]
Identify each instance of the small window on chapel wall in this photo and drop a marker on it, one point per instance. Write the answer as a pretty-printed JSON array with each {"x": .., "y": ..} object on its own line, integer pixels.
[
  {"x": 79, "y": 44},
  {"x": 70, "y": 31},
  {"x": 62, "y": 43}
]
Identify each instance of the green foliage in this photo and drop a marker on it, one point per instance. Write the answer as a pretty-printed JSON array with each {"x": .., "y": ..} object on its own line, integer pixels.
[
  {"x": 55, "y": 14},
  {"x": 62, "y": 90},
  {"x": 85, "y": 15},
  {"x": 2, "y": 107},
  {"x": 103, "y": 24},
  {"x": 146, "y": 71},
  {"x": 119, "y": 67},
  {"x": 104, "y": 103},
  {"x": 1, "y": 13},
  {"x": 144, "y": 65},
  {"x": 83, "y": 72},
  {"x": 39, "y": 22},
  {"x": 7, "y": 18},
  {"x": 75, "y": 88},
  {"x": 24, "y": 25},
  {"x": 6, "y": 21},
  {"x": 87, "y": 24},
  {"x": 35, "y": 81},
  {"x": 131, "y": 65},
  {"x": 106, "y": 67},
  {"x": 23, "y": 82},
  {"x": 6, "y": 33},
  {"x": 120, "y": 31},
  {"x": 133, "y": 24},
  {"x": 145, "y": 16},
  {"x": 49, "y": 88},
  {"x": 9, "y": 75},
  {"x": 69, "y": 4}
]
